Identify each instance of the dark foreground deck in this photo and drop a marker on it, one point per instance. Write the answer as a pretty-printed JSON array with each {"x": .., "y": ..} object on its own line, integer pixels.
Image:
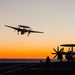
[{"x": 37, "y": 68}]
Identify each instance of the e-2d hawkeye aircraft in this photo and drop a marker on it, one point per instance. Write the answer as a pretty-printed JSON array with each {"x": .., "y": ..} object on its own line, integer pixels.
[
  {"x": 69, "y": 55},
  {"x": 23, "y": 29}
]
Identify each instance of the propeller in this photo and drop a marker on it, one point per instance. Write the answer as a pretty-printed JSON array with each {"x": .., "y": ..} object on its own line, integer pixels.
[
  {"x": 17, "y": 31},
  {"x": 58, "y": 53},
  {"x": 14, "y": 30},
  {"x": 29, "y": 31}
]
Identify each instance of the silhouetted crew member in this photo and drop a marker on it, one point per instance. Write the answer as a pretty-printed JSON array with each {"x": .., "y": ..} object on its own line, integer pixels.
[
  {"x": 60, "y": 56},
  {"x": 47, "y": 62}
]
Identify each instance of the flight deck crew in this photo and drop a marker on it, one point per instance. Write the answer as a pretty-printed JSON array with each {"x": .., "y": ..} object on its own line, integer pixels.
[{"x": 47, "y": 62}]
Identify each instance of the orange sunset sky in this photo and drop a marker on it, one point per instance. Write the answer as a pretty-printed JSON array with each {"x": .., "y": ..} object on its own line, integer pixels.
[{"x": 56, "y": 18}]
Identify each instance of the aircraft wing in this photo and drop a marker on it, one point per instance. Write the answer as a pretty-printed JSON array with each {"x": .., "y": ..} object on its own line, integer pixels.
[
  {"x": 36, "y": 31},
  {"x": 12, "y": 27}
]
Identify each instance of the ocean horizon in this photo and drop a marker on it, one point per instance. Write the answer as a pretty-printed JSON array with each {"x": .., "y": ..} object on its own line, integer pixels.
[{"x": 27, "y": 60}]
